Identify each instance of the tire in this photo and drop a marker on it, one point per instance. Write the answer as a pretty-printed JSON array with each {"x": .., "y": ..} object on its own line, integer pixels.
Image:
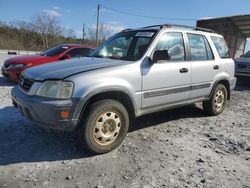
[
  {"x": 216, "y": 104},
  {"x": 104, "y": 126}
]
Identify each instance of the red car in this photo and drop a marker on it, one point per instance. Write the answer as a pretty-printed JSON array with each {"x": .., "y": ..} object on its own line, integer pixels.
[{"x": 13, "y": 67}]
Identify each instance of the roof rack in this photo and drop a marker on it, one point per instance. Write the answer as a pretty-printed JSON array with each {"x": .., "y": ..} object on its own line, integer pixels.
[
  {"x": 151, "y": 26},
  {"x": 180, "y": 26},
  {"x": 126, "y": 30}
]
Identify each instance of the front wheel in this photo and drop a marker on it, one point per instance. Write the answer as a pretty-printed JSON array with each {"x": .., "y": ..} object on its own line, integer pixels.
[
  {"x": 104, "y": 126},
  {"x": 216, "y": 104}
]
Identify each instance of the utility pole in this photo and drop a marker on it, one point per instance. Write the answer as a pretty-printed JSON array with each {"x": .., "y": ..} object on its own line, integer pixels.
[
  {"x": 83, "y": 33},
  {"x": 97, "y": 24}
]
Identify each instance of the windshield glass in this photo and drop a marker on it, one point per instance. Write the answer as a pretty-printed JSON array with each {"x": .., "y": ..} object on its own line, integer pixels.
[
  {"x": 54, "y": 51},
  {"x": 247, "y": 55},
  {"x": 129, "y": 46}
]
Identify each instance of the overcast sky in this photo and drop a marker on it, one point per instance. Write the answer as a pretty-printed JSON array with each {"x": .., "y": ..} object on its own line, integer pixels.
[{"x": 121, "y": 14}]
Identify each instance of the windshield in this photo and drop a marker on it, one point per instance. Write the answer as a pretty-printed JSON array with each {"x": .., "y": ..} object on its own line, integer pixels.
[
  {"x": 129, "y": 46},
  {"x": 54, "y": 51},
  {"x": 247, "y": 55}
]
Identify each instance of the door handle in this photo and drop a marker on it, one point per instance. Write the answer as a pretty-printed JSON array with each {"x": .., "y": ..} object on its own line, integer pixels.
[
  {"x": 183, "y": 70},
  {"x": 216, "y": 67}
]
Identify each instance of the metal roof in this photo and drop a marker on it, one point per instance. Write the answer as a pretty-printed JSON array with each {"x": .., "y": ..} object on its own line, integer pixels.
[{"x": 241, "y": 23}]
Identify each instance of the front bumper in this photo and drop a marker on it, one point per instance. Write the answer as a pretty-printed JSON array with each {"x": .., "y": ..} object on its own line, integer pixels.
[
  {"x": 46, "y": 112},
  {"x": 242, "y": 73},
  {"x": 242, "y": 69}
]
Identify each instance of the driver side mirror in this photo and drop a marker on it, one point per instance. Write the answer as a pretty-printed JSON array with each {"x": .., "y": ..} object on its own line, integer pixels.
[
  {"x": 65, "y": 56},
  {"x": 159, "y": 55}
]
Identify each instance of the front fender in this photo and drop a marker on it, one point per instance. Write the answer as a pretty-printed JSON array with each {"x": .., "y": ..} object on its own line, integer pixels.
[{"x": 98, "y": 86}]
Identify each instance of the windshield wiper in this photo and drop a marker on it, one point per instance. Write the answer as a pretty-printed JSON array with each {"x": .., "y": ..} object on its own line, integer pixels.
[
  {"x": 97, "y": 56},
  {"x": 102, "y": 56}
]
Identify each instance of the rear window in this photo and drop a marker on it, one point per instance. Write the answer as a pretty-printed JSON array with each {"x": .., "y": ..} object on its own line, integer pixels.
[
  {"x": 221, "y": 46},
  {"x": 200, "y": 49}
]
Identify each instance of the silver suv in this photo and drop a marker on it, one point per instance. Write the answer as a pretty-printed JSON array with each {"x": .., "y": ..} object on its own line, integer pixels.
[{"x": 133, "y": 73}]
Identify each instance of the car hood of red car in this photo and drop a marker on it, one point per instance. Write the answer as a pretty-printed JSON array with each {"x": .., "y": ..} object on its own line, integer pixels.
[{"x": 36, "y": 59}]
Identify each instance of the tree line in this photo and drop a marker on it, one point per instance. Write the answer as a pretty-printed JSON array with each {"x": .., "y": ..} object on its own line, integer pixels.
[{"x": 43, "y": 32}]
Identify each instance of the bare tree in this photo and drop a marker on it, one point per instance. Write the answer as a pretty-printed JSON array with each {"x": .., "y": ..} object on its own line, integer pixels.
[
  {"x": 2, "y": 23},
  {"x": 24, "y": 31},
  {"x": 48, "y": 27},
  {"x": 91, "y": 33},
  {"x": 103, "y": 33},
  {"x": 69, "y": 33}
]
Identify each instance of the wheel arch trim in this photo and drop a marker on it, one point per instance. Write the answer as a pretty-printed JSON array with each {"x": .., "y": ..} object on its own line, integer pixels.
[{"x": 85, "y": 101}]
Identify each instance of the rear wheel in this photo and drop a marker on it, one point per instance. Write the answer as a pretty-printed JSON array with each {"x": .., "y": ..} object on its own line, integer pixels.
[
  {"x": 216, "y": 104},
  {"x": 104, "y": 126}
]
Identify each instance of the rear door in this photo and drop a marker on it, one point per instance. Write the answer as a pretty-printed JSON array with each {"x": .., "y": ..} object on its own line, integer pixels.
[
  {"x": 204, "y": 66},
  {"x": 168, "y": 81}
]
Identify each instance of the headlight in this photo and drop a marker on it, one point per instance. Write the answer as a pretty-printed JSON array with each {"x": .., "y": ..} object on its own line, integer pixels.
[
  {"x": 16, "y": 66},
  {"x": 56, "y": 89}
]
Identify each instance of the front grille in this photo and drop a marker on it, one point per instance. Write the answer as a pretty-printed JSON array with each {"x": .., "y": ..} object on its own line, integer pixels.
[
  {"x": 25, "y": 83},
  {"x": 242, "y": 66}
]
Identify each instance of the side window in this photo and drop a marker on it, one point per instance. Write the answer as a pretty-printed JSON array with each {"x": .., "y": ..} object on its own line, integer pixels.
[
  {"x": 210, "y": 55},
  {"x": 85, "y": 51},
  {"x": 221, "y": 46},
  {"x": 198, "y": 47},
  {"x": 173, "y": 42},
  {"x": 78, "y": 52}
]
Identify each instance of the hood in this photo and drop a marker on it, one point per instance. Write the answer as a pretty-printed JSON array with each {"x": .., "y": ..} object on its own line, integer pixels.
[
  {"x": 243, "y": 60},
  {"x": 63, "y": 69},
  {"x": 25, "y": 59}
]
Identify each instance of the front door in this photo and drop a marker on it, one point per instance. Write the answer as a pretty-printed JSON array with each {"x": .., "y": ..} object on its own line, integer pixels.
[{"x": 167, "y": 81}]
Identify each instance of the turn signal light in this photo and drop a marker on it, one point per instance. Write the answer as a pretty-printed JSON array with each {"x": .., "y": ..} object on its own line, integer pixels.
[{"x": 64, "y": 114}]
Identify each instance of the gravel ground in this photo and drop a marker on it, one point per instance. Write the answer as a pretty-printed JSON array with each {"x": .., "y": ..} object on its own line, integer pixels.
[{"x": 175, "y": 148}]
